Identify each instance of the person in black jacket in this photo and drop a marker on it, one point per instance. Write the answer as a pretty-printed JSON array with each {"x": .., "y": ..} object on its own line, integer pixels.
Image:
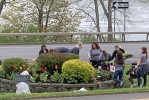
[
  {"x": 43, "y": 49},
  {"x": 76, "y": 49},
  {"x": 132, "y": 72},
  {"x": 117, "y": 48}
]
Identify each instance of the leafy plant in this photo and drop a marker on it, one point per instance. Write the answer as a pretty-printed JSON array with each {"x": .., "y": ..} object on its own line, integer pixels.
[
  {"x": 77, "y": 71},
  {"x": 57, "y": 78},
  {"x": 105, "y": 75},
  {"x": 44, "y": 76},
  {"x": 51, "y": 59},
  {"x": 126, "y": 54},
  {"x": 14, "y": 65}
]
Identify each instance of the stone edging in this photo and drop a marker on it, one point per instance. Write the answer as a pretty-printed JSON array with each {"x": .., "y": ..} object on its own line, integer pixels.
[{"x": 9, "y": 86}]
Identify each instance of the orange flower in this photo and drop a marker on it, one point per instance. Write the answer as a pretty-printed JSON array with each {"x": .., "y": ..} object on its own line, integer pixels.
[
  {"x": 14, "y": 66},
  {"x": 40, "y": 69},
  {"x": 32, "y": 64},
  {"x": 56, "y": 66}
]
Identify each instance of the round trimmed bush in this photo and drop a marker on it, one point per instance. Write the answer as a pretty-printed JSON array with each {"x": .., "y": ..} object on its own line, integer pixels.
[
  {"x": 77, "y": 71},
  {"x": 14, "y": 65},
  {"x": 50, "y": 60}
]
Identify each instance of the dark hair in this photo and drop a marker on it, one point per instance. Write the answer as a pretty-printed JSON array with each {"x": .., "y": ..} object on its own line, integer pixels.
[
  {"x": 144, "y": 51},
  {"x": 43, "y": 46},
  {"x": 52, "y": 50},
  {"x": 96, "y": 44},
  {"x": 119, "y": 58}
]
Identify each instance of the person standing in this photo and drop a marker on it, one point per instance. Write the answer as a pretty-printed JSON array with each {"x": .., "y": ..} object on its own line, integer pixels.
[
  {"x": 43, "y": 49},
  {"x": 76, "y": 49},
  {"x": 119, "y": 68},
  {"x": 117, "y": 48},
  {"x": 143, "y": 67},
  {"x": 94, "y": 54}
]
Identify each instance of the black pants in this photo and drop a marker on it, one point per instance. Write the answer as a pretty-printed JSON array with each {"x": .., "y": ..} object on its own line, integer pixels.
[
  {"x": 95, "y": 64},
  {"x": 140, "y": 80}
]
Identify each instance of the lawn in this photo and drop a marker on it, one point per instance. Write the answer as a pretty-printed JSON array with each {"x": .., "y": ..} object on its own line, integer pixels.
[{"x": 13, "y": 96}]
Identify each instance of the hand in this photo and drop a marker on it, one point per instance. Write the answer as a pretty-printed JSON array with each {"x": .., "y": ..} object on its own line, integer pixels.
[{"x": 136, "y": 66}]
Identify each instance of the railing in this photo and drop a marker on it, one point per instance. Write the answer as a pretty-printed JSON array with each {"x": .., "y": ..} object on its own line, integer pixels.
[{"x": 17, "y": 38}]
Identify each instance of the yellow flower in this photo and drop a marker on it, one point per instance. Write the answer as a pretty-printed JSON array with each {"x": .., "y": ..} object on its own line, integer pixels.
[{"x": 20, "y": 68}]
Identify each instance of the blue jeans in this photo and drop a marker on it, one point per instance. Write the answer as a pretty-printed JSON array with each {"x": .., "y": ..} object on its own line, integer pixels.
[
  {"x": 118, "y": 74},
  {"x": 139, "y": 79}
]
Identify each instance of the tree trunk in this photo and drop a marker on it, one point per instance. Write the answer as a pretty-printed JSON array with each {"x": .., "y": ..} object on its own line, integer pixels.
[
  {"x": 47, "y": 17},
  {"x": 40, "y": 20},
  {"x": 110, "y": 36},
  {"x": 109, "y": 17},
  {"x": 1, "y": 5},
  {"x": 97, "y": 19}
]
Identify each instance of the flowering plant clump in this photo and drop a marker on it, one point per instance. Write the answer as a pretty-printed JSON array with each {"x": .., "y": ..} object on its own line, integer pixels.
[{"x": 13, "y": 66}]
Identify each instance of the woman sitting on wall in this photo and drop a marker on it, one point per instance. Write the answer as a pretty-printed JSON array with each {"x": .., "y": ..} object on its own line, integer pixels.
[{"x": 43, "y": 49}]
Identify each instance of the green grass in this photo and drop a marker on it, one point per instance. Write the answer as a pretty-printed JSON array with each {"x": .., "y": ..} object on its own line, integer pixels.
[{"x": 8, "y": 96}]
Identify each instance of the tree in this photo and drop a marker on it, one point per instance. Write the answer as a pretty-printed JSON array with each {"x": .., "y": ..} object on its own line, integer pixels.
[
  {"x": 108, "y": 13},
  {"x": 1, "y": 5},
  {"x": 46, "y": 15}
]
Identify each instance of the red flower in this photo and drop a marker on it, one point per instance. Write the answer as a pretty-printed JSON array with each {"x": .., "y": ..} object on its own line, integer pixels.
[
  {"x": 14, "y": 66},
  {"x": 56, "y": 66},
  {"x": 26, "y": 59},
  {"x": 40, "y": 69},
  {"x": 45, "y": 68},
  {"x": 24, "y": 66}
]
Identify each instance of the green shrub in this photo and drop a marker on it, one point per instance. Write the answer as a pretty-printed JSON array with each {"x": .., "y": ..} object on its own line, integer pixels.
[
  {"x": 50, "y": 60},
  {"x": 77, "y": 71},
  {"x": 12, "y": 66}
]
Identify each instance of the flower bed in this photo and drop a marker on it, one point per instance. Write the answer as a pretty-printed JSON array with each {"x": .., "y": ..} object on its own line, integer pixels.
[{"x": 52, "y": 72}]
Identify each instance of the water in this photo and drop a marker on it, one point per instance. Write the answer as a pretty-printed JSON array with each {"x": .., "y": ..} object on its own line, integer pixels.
[{"x": 137, "y": 19}]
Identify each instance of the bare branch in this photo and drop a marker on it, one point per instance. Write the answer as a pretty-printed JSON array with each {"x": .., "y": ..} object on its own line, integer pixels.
[{"x": 104, "y": 8}]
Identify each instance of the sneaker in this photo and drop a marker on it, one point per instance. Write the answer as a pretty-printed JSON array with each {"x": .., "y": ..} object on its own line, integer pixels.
[
  {"x": 141, "y": 85},
  {"x": 133, "y": 85},
  {"x": 121, "y": 84}
]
